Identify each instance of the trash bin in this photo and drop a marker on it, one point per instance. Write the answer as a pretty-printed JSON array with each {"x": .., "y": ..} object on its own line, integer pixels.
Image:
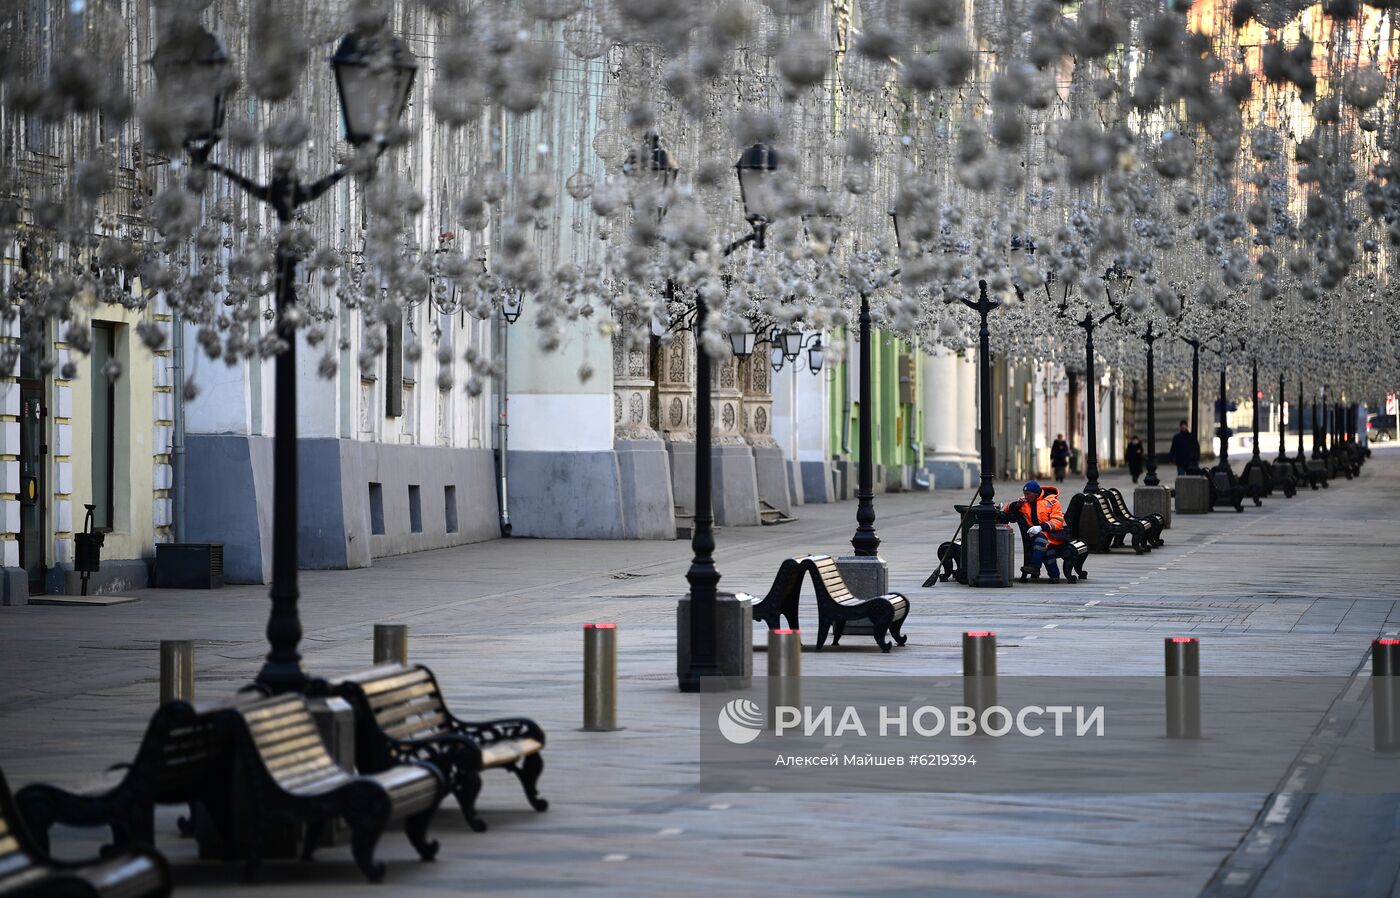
[{"x": 87, "y": 549}]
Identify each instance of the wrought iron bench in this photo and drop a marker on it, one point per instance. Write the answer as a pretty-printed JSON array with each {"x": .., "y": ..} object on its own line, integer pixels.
[
  {"x": 184, "y": 758},
  {"x": 286, "y": 773},
  {"x": 1226, "y": 491},
  {"x": 836, "y": 606},
  {"x": 1112, "y": 531},
  {"x": 401, "y": 717},
  {"x": 952, "y": 565},
  {"x": 1152, "y": 524},
  {"x": 1073, "y": 553},
  {"x": 27, "y": 871},
  {"x": 1311, "y": 473}
]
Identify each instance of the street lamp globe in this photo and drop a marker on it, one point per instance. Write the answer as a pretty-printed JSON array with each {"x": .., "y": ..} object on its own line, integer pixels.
[
  {"x": 791, "y": 342},
  {"x": 756, "y": 168},
  {"x": 191, "y": 68},
  {"x": 815, "y": 355},
  {"x": 742, "y": 338},
  {"x": 775, "y": 358},
  {"x": 373, "y": 74},
  {"x": 512, "y": 306}
]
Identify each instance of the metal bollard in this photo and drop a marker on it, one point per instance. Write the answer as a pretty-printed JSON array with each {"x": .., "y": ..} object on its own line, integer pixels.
[
  {"x": 1385, "y": 693},
  {"x": 1183, "y": 687},
  {"x": 176, "y": 670},
  {"x": 784, "y": 672},
  {"x": 600, "y": 677},
  {"x": 390, "y": 643},
  {"x": 979, "y": 671}
]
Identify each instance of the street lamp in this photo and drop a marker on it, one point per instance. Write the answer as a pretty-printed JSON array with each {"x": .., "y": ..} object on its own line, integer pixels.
[
  {"x": 1115, "y": 274},
  {"x": 374, "y": 73},
  {"x": 742, "y": 338},
  {"x": 788, "y": 345},
  {"x": 755, "y": 169},
  {"x": 654, "y": 166}
]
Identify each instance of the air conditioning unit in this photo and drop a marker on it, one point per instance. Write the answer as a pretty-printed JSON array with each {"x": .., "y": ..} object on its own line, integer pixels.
[{"x": 189, "y": 565}]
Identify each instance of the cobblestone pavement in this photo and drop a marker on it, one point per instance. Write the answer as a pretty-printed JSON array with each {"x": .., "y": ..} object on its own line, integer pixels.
[{"x": 1296, "y": 587}]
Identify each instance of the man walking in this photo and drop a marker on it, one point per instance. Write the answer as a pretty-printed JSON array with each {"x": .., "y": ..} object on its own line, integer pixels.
[
  {"x": 1059, "y": 457},
  {"x": 1185, "y": 451}
]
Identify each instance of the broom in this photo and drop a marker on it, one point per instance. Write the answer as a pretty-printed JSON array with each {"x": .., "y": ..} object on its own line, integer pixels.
[{"x": 933, "y": 578}]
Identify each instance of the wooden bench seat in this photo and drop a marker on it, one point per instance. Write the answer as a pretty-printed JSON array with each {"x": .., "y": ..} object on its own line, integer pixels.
[
  {"x": 1225, "y": 490},
  {"x": 26, "y": 870},
  {"x": 1110, "y": 530},
  {"x": 836, "y": 605},
  {"x": 401, "y": 717},
  {"x": 184, "y": 758},
  {"x": 1152, "y": 524},
  {"x": 286, "y": 773}
]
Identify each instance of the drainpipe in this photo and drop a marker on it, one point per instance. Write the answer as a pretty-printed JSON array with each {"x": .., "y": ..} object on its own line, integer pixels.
[
  {"x": 177, "y": 447},
  {"x": 502, "y": 424}
]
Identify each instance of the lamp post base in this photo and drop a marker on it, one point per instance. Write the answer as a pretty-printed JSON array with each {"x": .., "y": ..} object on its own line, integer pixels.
[
  {"x": 1000, "y": 572},
  {"x": 733, "y": 644},
  {"x": 866, "y": 576}
]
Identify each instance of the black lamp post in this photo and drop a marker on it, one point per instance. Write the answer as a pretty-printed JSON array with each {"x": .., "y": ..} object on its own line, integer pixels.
[
  {"x": 1262, "y": 483},
  {"x": 865, "y": 542},
  {"x": 1302, "y": 452},
  {"x": 755, "y": 168},
  {"x": 1089, "y": 323},
  {"x": 1282, "y": 426},
  {"x": 374, "y": 73},
  {"x": 1221, "y": 430},
  {"x": 986, "y": 513},
  {"x": 1151, "y": 479}
]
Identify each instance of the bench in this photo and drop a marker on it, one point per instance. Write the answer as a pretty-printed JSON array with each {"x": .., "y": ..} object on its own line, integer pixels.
[
  {"x": 401, "y": 718},
  {"x": 1111, "y": 531},
  {"x": 952, "y": 562},
  {"x": 1311, "y": 473},
  {"x": 284, "y": 772},
  {"x": 26, "y": 870},
  {"x": 1073, "y": 553},
  {"x": 1152, "y": 524},
  {"x": 184, "y": 758},
  {"x": 836, "y": 606},
  {"x": 1225, "y": 490}
]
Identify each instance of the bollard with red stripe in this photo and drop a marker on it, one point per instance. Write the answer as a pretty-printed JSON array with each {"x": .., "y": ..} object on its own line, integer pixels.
[
  {"x": 979, "y": 670},
  {"x": 600, "y": 677},
  {"x": 784, "y": 671},
  {"x": 1183, "y": 687},
  {"x": 1385, "y": 693}
]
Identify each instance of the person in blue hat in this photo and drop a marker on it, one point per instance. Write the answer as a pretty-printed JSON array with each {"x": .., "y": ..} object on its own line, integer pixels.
[{"x": 1043, "y": 524}]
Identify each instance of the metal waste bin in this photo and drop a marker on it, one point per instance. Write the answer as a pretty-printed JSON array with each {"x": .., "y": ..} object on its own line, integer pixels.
[{"x": 87, "y": 549}]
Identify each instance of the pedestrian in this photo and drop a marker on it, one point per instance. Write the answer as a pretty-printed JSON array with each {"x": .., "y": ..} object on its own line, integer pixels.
[
  {"x": 1059, "y": 457},
  {"x": 1045, "y": 528},
  {"x": 1134, "y": 456},
  {"x": 1185, "y": 451}
]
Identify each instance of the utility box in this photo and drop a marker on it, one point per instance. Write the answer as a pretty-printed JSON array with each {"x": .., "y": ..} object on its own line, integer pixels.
[{"x": 189, "y": 565}]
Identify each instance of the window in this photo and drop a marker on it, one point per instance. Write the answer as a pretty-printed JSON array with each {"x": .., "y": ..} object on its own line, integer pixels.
[
  {"x": 376, "y": 508},
  {"x": 393, "y": 364},
  {"x": 415, "y": 508},
  {"x": 104, "y": 422},
  {"x": 449, "y": 503}
]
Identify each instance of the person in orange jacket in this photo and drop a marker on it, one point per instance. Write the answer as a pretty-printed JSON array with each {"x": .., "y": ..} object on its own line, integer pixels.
[{"x": 1039, "y": 509}]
